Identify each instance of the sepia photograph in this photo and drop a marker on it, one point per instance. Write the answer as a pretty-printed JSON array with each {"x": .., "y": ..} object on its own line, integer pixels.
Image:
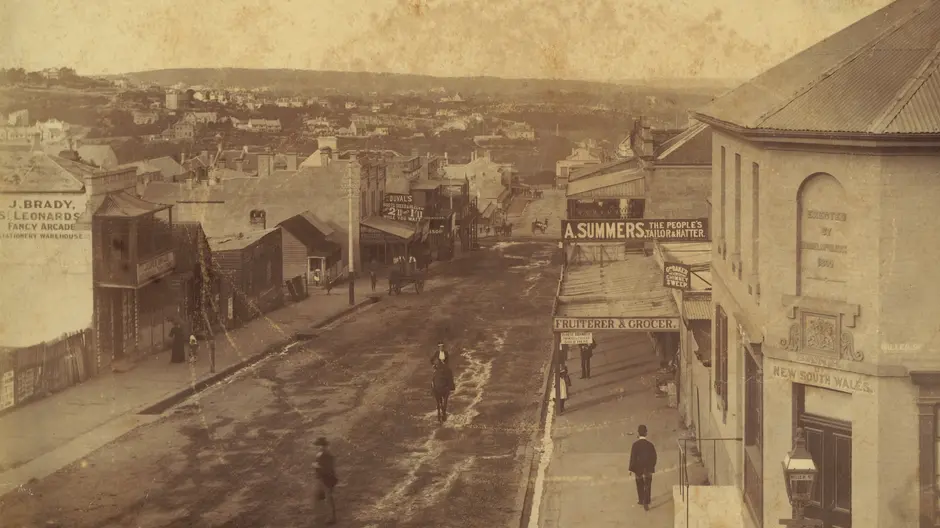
[{"x": 303, "y": 263}]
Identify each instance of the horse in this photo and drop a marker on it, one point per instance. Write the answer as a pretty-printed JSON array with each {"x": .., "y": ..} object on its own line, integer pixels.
[
  {"x": 538, "y": 226},
  {"x": 442, "y": 384}
]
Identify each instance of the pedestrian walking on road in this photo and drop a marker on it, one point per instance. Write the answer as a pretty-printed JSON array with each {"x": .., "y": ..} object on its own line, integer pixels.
[
  {"x": 193, "y": 347},
  {"x": 178, "y": 339},
  {"x": 643, "y": 465},
  {"x": 564, "y": 384},
  {"x": 587, "y": 351},
  {"x": 440, "y": 355},
  {"x": 326, "y": 480},
  {"x": 374, "y": 279}
]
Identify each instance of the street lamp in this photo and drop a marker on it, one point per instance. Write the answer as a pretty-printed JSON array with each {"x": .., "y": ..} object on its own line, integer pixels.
[{"x": 799, "y": 474}]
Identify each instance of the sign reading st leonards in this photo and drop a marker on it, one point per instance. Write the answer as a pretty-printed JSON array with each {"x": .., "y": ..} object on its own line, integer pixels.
[
  {"x": 637, "y": 324},
  {"x": 693, "y": 230}
]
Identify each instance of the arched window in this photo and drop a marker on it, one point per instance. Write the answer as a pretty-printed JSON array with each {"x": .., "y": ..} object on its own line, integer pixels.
[{"x": 823, "y": 249}]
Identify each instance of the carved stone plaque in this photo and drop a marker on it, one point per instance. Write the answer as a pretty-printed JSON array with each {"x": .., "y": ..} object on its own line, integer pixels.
[{"x": 819, "y": 332}]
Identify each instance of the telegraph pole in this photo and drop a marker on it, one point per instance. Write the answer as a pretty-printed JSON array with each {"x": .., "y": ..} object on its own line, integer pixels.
[{"x": 352, "y": 268}]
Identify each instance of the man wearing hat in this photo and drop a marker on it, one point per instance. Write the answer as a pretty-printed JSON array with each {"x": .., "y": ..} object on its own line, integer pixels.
[
  {"x": 325, "y": 467},
  {"x": 440, "y": 354}
]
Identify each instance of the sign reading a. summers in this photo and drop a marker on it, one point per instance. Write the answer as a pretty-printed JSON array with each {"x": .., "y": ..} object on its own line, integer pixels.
[
  {"x": 689, "y": 230},
  {"x": 676, "y": 275}
]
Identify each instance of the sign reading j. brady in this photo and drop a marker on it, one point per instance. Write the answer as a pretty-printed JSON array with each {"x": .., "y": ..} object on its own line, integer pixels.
[
  {"x": 401, "y": 207},
  {"x": 638, "y": 324},
  {"x": 34, "y": 217},
  {"x": 691, "y": 230},
  {"x": 676, "y": 275}
]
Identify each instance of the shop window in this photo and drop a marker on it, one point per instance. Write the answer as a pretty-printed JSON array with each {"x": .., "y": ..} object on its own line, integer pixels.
[
  {"x": 721, "y": 360},
  {"x": 636, "y": 208}
]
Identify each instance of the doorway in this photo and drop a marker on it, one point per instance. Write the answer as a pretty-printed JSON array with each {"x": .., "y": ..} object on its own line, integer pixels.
[{"x": 829, "y": 441}]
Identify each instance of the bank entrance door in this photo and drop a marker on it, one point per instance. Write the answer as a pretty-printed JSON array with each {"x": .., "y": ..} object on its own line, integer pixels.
[{"x": 829, "y": 440}]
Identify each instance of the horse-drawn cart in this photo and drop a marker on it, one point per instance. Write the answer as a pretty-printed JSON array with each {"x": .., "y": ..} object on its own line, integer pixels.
[{"x": 404, "y": 273}]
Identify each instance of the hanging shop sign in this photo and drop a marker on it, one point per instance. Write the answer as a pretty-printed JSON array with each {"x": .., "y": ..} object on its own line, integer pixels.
[
  {"x": 156, "y": 266},
  {"x": 438, "y": 225},
  {"x": 636, "y": 324},
  {"x": 688, "y": 230},
  {"x": 677, "y": 276},
  {"x": 576, "y": 338},
  {"x": 401, "y": 207}
]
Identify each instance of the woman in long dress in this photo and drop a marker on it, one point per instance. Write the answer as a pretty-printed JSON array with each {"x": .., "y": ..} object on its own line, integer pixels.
[
  {"x": 178, "y": 339},
  {"x": 564, "y": 383}
]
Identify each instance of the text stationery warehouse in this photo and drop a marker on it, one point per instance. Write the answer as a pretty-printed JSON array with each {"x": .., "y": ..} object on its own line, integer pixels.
[{"x": 689, "y": 230}]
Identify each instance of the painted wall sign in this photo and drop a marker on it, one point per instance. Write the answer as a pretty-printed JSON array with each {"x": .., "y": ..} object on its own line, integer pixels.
[
  {"x": 155, "y": 266},
  {"x": 676, "y": 275},
  {"x": 576, "y": 338},
  {"x": 689, "y": 230},
  {"x": 401, "y": 207},
  {"x": 32, "y": 217},
  {"x": 636, "y": 324},
  {"x": 841, "y": 381},
  {"x": 824, "y": 246}
]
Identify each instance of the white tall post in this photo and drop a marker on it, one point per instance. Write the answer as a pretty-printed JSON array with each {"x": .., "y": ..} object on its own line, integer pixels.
[{"x": 352, "y": 268}]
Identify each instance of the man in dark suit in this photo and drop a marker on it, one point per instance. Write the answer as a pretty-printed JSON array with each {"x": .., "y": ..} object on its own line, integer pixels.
[
  {"x": 587, "y": 351},
  {"x": 326, "y": 479},
  {"x": 643, "y": 465}
]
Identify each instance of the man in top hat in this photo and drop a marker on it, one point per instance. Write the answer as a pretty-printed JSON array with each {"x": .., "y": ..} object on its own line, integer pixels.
[
  {"x": 440, "y": 354},
  {"x": 325, "y": 468}
]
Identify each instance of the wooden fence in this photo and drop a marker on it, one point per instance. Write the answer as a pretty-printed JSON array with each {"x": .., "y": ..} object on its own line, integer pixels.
[{"x": 31, "y": 373}]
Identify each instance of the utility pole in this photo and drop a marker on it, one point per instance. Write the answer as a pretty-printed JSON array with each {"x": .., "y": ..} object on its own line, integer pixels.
[{"x": 352, "y": 268}]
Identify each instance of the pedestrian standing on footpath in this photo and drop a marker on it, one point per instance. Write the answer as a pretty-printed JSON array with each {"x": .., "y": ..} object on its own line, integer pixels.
[
  {"x": 587, "y": 351},
  {"x": 564, "y": 381},
  {"x": 440, "y": 354},
  {"x": 326, "y": 480},
  {"x": 178, "y": 339},
  {"x": 643, "y": 465},
  {"x": 374, "y": 279}
]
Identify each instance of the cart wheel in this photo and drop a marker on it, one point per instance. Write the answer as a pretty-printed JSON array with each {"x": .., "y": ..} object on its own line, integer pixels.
[{"x": 419, "y": 286}]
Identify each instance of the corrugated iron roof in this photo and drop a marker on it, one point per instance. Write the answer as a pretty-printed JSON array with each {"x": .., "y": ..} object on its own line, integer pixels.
[
  {"x": 123, "y": 205},
  {"x": 392, "y": 227},
  {"x": 878, "y": 76},
  {"x": 626, "y": 288},
  {"x": 239, "y": 241},
  {"x": 692, "y": 147},
  {"x": 593, "y": 183},
  {"x": 688, "y": 253},
  {"x": 603, "y": 168},
  {"x": 697, "y": 309}
]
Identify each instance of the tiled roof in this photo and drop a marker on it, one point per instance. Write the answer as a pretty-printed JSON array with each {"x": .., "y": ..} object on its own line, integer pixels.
[
  {"x": 392, "y": 227},
  {"x": 22, "y": 170},
  {"x": 692, "y": 147},
  {"x": 625, "y": 288},
  {"x": 239, "y": 241},
  {"x": 877, "y": 76}
]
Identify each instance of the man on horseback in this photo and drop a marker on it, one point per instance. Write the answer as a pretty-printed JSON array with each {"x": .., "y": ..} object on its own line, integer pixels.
[
  {"x": 440, "y": 355},
  {"x": 442, "y": 384}
]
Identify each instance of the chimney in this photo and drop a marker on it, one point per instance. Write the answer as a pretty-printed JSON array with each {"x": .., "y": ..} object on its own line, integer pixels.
[
  {"x": 36, "y": 142},
  {"x": 183, "y": 158},
  {"x": 265, "y": 165},
  {"x": 646, "y": 138},
  {"x": 325, "y": 156}
]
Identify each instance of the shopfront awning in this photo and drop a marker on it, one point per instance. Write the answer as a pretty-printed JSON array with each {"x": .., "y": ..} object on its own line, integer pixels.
[
  {"x": 394, "y": 228},
  {"x": 624, "y": 295}
]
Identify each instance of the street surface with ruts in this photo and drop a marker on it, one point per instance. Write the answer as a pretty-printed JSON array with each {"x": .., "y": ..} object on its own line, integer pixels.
[{"x": 241, "y": 453}]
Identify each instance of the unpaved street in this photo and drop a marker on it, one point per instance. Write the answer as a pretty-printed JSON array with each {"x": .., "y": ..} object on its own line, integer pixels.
[{"x": 241, "y": 454}]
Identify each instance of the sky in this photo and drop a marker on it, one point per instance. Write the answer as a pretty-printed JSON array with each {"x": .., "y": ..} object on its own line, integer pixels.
[{"x": 598, "y": 40}]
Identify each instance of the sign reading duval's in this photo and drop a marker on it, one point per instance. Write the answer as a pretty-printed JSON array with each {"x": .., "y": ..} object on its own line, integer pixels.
[
  {"x": 691, "y": 230},
  {"x": 401, "y": 207},
  {"x": 638, "y": 324}
]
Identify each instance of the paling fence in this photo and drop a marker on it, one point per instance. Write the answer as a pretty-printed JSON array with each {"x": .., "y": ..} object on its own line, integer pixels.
[{"x": 31, "y": 373}]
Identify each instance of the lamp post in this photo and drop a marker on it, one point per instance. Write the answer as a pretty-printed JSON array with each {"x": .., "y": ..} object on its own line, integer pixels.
[{"x": 799, "y": 474}]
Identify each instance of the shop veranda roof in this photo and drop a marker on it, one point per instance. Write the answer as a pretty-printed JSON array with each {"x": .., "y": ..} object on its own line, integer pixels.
[{"x": 631, "y": 288}]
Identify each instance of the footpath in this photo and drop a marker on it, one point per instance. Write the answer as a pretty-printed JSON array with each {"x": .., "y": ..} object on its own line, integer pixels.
[
  {"x": 40, "y": 438},
  {"x": 587, "y": 481}
]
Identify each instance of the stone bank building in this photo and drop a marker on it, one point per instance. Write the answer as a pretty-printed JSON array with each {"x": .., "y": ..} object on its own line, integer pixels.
[{"x": 826, "y": 180}]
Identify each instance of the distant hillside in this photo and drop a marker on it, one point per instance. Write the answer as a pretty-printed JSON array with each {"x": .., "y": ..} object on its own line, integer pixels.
[{"x": 309, "y": 81}]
